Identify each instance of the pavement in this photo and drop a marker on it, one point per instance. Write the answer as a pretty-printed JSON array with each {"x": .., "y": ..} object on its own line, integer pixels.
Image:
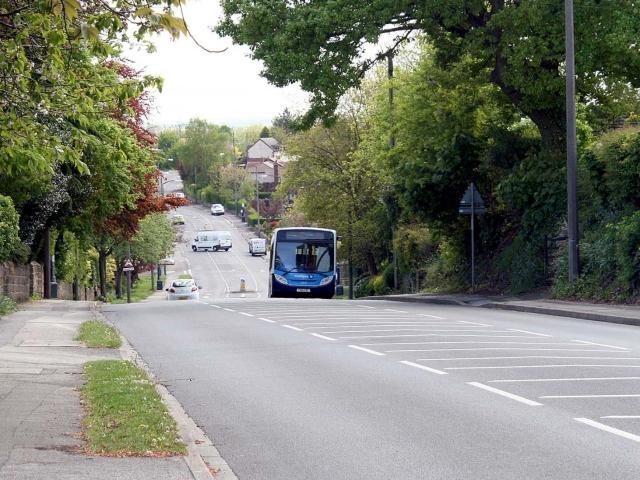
[
  {"x": 40, "y": 372},
  {"x": 612, "y": 313}
]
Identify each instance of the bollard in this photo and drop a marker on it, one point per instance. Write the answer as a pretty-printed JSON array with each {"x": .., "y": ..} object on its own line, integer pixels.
[{"x": 243, "y": 285}]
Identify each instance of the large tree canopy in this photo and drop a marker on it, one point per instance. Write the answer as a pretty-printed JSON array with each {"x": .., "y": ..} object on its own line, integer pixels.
[{"x": 519, "y": 43}]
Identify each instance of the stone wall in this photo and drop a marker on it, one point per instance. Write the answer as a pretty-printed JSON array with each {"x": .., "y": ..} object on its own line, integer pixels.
[{"x": 23, "y": 282}]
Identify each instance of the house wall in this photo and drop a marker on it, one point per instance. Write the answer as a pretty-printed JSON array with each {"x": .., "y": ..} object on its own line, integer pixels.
[{"x": 259, "y": 150}]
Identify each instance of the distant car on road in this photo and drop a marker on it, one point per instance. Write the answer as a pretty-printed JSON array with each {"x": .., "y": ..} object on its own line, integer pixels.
[
  {"x": 177, "y": 220},
  {"x": 183, "y": 289},
  {"x": 217, "y": 209},
  {"x": 257, "y": 246},
  {"x": 179, "y": 195}
]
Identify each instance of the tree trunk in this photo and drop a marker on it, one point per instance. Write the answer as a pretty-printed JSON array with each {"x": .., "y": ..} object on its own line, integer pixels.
[
  {"x": 75, "y": 288},
  {"x": 371, "y": 264},
  {"x": 102, "y": 272},
  {"x": 551, "y": 125},
  {"x": 118, "y": 280}
]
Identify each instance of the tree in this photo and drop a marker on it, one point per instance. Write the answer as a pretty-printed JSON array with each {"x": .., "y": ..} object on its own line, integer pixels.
[
  {"x": 154, "y": 239},
  {"x": 264, "y": 133},
  {"x": 518, "y": 44},
  {"x": 9, "y": 238}
]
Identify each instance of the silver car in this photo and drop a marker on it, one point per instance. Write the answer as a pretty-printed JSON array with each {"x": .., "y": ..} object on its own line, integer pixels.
[{"x": 183, "y": 289}]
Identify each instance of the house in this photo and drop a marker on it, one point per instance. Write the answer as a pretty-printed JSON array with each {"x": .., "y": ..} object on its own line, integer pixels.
[{"x": 266, "y": 160}]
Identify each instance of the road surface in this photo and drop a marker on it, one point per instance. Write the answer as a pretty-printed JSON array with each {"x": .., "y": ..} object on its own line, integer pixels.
[{"x": 335, "y": 389}]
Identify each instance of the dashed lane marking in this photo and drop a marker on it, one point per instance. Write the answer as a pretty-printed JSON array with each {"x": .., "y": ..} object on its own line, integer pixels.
[
  {"x": 530, "y": 333},
  {"x": 423, "y": 367},
  {"x": 502, "y": 393},
  {"x": 368, "y": 350},
  {"x": 228, "y": 310},
  {"x": 542, "y": 366},
  {"x": 324, "y": 337},
  {"x": 525, "y": 357},
  {"x": 266, "y": 320},
  {"x": 607, "y": 428},
  {"x": 246, "y": 314},
  {"x": 625, "y": 395},
  {"x": 578, "y": 379},
  {"x": 291, "y": 327}
]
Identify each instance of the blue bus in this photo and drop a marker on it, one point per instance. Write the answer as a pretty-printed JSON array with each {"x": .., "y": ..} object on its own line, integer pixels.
[{"x": 303, "y": 263}]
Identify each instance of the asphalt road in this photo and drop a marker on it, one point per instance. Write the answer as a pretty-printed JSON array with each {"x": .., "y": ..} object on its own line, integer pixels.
[{"x": 311, "y": 389}]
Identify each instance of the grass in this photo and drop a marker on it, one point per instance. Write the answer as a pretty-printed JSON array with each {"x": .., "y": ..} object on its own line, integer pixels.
[
  {"x": 7, "y": 306},
  {"x": 97, "y": 334},
  {"x": 125, "y": 415},
  {"x": 139, "y": 290}
]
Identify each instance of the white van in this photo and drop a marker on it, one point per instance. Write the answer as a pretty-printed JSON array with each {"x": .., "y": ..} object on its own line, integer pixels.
[
  {"x": 257, "y": 246},
  {"x": 213, "y": 240},
  {"x": 205, "y": 240}
]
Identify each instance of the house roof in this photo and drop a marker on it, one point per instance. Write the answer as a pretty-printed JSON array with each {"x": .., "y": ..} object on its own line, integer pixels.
[{"x": 271, "y": 142}]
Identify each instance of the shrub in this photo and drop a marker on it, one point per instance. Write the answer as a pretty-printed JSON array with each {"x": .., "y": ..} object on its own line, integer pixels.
[
  {"x": 7, "y": 306},
  {"x": 9, "y": 239}
]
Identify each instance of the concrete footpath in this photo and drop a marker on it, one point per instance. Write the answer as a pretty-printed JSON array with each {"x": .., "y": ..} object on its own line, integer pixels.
[
  {"x": 40, "y": 410},
  {"x": 602, "y": 312}
]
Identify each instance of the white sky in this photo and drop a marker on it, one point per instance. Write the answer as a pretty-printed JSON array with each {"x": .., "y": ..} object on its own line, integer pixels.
[{"x": 224, "y": 88}]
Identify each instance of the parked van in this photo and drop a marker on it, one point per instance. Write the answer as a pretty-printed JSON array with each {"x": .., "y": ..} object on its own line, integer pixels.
[
  {"x": 257, "y": 246},
  {"x": 213, "y": 240}
]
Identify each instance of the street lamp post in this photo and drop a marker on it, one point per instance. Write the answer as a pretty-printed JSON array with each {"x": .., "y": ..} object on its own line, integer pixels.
[
  {"x": 572, "y": 154},
  {"x": 257, "y": 198}
]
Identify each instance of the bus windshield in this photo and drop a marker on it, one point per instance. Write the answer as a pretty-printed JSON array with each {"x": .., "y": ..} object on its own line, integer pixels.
[{"x": 312, "y": 256}]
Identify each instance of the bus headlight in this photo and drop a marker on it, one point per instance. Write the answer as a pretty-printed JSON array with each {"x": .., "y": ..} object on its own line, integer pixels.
[
  {"x": 326, "y": 280},
  {"x": 281, "y": 279}
]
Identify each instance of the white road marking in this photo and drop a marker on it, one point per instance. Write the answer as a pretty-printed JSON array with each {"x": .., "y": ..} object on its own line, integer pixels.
[
  {"x": 528, "y": 356},
  {"x": 228, "y": 310},
  {"x": 431, "y": 316},
  {"x": 215, "y": 306},
  {"x": 366, "y": 306},
  {"x": 476, "y": 323},
  {"x": 404, "y": 327},
  {"x": 631, "y": 417},
  {"x": 394, "y": 311},
  {"x": 373, "y": 352},
  {"x": 448, "y": 335},
  {"x": 413, "y": 335},
  {"x": 292, "y": 327},
  {"x": 504, "y": 348},
  {"x": 540, "y": 366},
  {"x": 323, "y": 337},
  {"x": 630, "y": 395},
  {"x": 246, "y": 314},
  {"x": 497, "y": 391},
  {"x": 266, "y": 320},
  {"x": 376, "y": 323},
  {"x": 578, "y": 379},
  {"x": 392, "y": 330},
  {"x": 422, "y": 367},
  {"x": 600, "y": 344},
  {"x": 531, "y": 333},
  {"x": 483, "y": 343},
  {"x": 607, "y": 428}
]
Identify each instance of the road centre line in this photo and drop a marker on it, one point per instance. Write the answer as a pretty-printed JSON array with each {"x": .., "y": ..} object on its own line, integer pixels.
[
  {"x": 246, "y": 314},
  {"x": 531, "y": 333},
  {"x": 528, "y": 356},
  {"x": 419, "y": 327},
  {"x": 448, "y": 335},
  {"x": 540, "y": 366},
  {"x": 366, "y": 306},
  {"x": 629, "y": 395},
  {"x": 497, "y": 391},
  {"x": 379, "y": 323},
  {"x": 499, "y": 348},
  {"x": 476, "y": 323},
  {"x": 576, "y": 379},
  {"x": 266, "y": 320},
  {"x": 485, "y": 343},
  {"x": 292, "y": 327},
  {"x": 631, "y": 417},
  {"x": 607, "y": 428},
  {"x": 215, "y": 306},
  {"x": 373, "y": 352},
  {"x": 394, "y": 311},
  {"x": 431, "y": 316},
  {"x": 600, "y": 344},
  {"x": 228, "y": 310},
  {"x": 323, "y": 337},
  {"x": 423, "y": 367}
]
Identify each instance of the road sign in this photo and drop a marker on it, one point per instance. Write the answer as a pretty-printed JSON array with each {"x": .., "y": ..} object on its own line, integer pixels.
[
  {"x": 471, "y": 201},
  {"x": 128, "y": 266}
]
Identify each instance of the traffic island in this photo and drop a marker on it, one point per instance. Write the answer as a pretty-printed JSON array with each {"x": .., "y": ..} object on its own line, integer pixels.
[{"x": 125, "y": 416}]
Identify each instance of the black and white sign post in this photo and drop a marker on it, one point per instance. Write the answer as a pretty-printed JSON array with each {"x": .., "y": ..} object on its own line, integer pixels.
[
  {"x": 128, "y": 268},
  {"x": 472, "y": 204}
]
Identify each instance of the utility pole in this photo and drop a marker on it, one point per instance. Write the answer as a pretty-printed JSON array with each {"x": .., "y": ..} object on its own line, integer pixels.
[
  {"x": 572, "y": 154},
  {"x": 257, "y": 198},
  {"x": 47, "y": 263},
  {"x": 392, "y": 143}
]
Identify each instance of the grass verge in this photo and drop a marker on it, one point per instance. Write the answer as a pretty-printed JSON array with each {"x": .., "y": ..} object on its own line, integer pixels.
[
  {"x": 97, "y": 334},
  {"x": 139, "y": 290},
  {"x": 125, "y": 415}
]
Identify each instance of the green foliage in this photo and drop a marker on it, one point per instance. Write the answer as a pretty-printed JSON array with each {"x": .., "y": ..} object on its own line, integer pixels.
[
  {"x": 154, "y": 239},
  {"x": 9, "y": 239},
  {"x": 7, "y": 305},
  {"x": 520, "y": 266},
  {"x": 73, "y": 260},
  {"x": 448, "y": 270},
  {"x": 414, "y": 245}
]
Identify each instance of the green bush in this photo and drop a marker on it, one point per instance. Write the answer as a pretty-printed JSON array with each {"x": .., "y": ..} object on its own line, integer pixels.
[
  {"x": 7, "y": 306},
  {"x": 9, "y": 239},
  {"x": 364, "y": 288},
  {"x": 522, "y": 265},
  {"x": 447, "y": 270}
]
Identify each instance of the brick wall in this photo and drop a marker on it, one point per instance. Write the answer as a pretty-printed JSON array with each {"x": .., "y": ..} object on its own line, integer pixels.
[{"x": 21, "y": 282}]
